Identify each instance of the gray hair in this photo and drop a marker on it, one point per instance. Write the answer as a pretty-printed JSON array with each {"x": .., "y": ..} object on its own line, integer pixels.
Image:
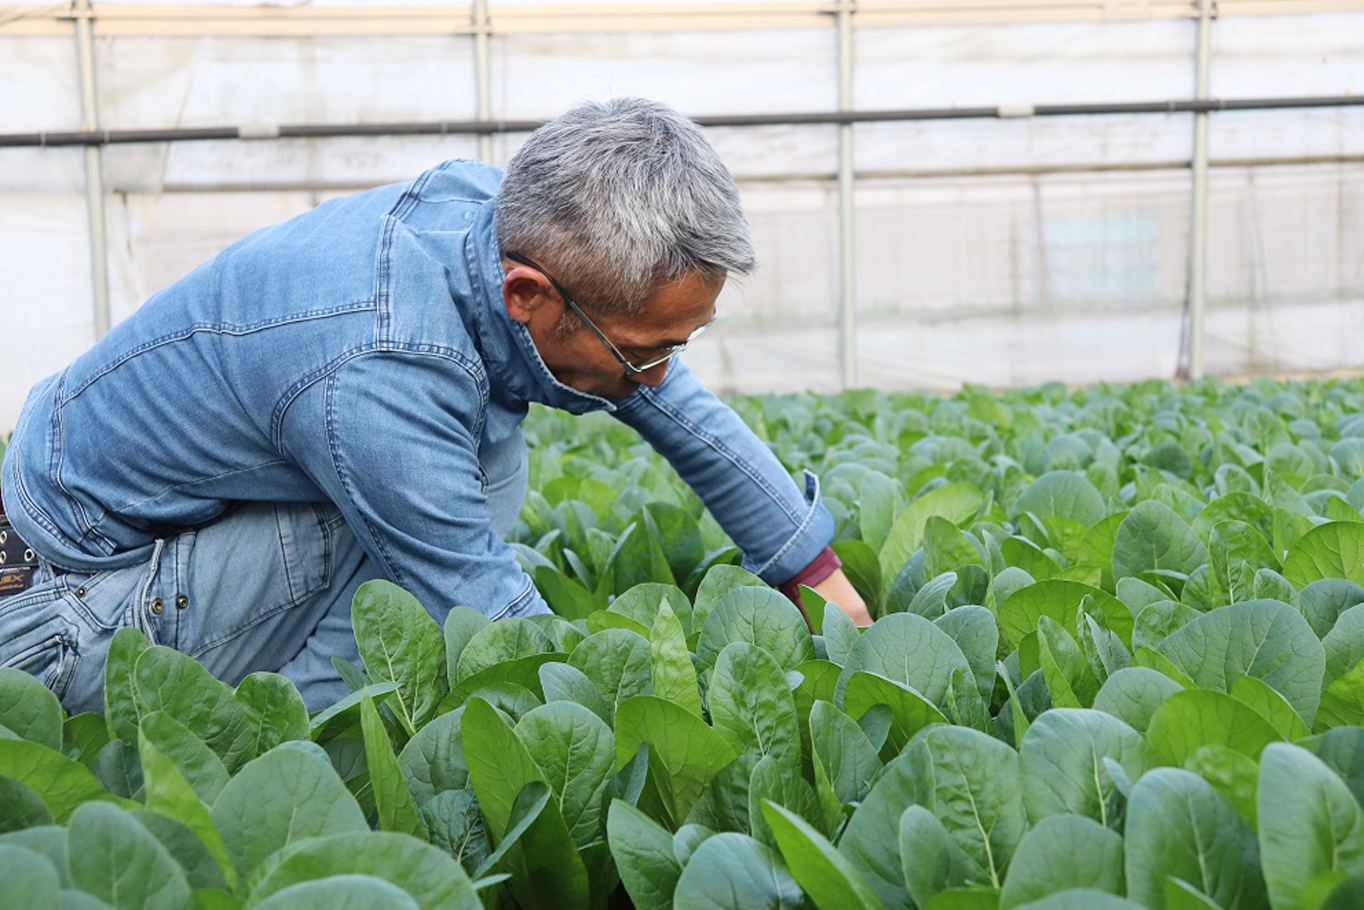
[{"x": 617, "y": 198}]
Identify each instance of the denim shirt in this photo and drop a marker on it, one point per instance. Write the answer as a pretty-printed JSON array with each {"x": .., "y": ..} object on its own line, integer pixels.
[{"x": 360, "y": 354}]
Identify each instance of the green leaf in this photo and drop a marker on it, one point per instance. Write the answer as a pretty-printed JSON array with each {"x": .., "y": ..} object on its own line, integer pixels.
[
  {"x": 823, "y": 873},
  {"x": 30, "y": 880},
  {"x": 684, "y": 752},
  {"x": 203, "y": 770},
  {"x": 23, "y": 807},
  {"x": 871, "y": 840},
  {"x": 121, "y": 708},
  {"x": 62, "y": 783},
  {"x": 718, "y": 582},
  {"x": 974, "y": 630},
  {"x": 461, "y": 625},
  {"x": 1061, "y": 762},
  {"x": 171, "y": 795},
  {"x": 455, "y": 824},
  {"x": 1271, "y": 705},
  {"x": 1237, "y": 551},
  {"x": 957, "y": 502},
  {"x": 1342, "y": 704},
  {"x": 1059, "y": 599},
  {"x": 1310, "y": 823},
  {"x": 275, "y": 711},
  {"x": 433, "y": 760},
  {"x": 642, "y": 603},
  {"x": 842, "y": 752},
  {"x": 564, "y": 682},
  {"x": 1153, "y": 538},
  {"x": 910, "y": 650},
  {"x": 761, "y": 617},
  {"x": 1060, "y": 853},
  {"x": 644, "y": 856},
  {"x": 397, "y": 812},
  {"x": 732, "y": 871},
  {"x": 281, "y": 798},
  {"x": 566, "y": 597},
  {"x": 617, "y": 662},
  {"x": 117, "y": 860},
  {"x": 400, "y": 642},
  {"x": 1189, "y": 720},
  {"x": 1068, "y": 494},
  {"x": 880, "y": 500},
  {"x": 1344, "y": 644},
  {"x": 674, "y": 673},
  {"x": 1179, "y": 826},
  {"x": 499, "y": 764},
  {"x": 1070, "y": 680},
  {"x": 932, "y": 861},
  {"x": 983, "y": 812},
  {"x": 29, "y": 709},
  {"x": 863, "y": 569},
  {"x": 341, "y": 892},
  {"x": 840, "y": 634},
  {"x": 184, "y": 846},
  {"x": 432, "y": 878},
  {"x": 83, "y": 736},
  {"x": 909, "y": 711},
  {"x": 576, "y": 752},
  {"x": 946, "y": 547},
  {"x": 1133, "y": 694},
  {"x": 546, "y": 869},
  {"x": 775, "y": 781},
  {"x": 1080, "y": 899},
  {"x": 1264, "y": 639},
  {"x": 166, "y": 680},
  {"x": 1233, "y": 775},
  {"x": 1331, "y": 550},
  {"x": 751, "y": 706}
]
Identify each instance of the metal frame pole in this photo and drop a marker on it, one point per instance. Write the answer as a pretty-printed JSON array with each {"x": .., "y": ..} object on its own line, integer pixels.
[
  {"x": 846, "y": 247},
  {"x": 1198, "y": 240},
  {"x": 94, "y": 168},
  {"x": 483, "y": 75}
]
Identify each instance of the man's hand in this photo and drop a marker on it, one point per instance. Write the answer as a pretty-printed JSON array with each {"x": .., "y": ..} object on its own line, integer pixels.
[{"x": 837, "y": 589}]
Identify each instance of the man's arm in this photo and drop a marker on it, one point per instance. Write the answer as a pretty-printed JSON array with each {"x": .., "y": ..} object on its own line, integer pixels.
[
  {"x": 391, "y": 438},
  {"x": 781, "y": 529}
]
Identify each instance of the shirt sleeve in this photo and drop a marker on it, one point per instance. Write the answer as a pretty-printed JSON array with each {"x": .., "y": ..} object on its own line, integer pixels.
[
  {"x": 780, "y": 528},
  {"x": 401, "y": 463}
]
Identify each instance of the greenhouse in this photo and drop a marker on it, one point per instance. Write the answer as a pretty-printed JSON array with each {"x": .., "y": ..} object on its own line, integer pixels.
[{"x": 368, "y": 539}]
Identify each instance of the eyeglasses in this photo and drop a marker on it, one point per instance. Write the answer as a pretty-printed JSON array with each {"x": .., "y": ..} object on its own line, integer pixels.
[{"x": 664, "y": 354}]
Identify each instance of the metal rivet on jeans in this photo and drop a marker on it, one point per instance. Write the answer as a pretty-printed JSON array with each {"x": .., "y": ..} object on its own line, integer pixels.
[
  {"x": 80, "y": 592},
  {"x": 181, "y": 602},
  {"x": 157, "y": 606}
]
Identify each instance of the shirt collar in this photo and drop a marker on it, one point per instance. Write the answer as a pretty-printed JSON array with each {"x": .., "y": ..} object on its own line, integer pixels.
[{"x": 509, "y": 352}]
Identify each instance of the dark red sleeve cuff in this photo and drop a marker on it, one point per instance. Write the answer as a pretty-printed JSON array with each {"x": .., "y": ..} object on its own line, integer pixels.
[{"x": 824, "y": 565}]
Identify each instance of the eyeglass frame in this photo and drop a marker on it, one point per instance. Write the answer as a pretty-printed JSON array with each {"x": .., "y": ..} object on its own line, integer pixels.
[{"x": 630, "y": 368}]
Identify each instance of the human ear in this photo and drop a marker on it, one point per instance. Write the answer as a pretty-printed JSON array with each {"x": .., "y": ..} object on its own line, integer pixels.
[{"x": 524, "y": 291}]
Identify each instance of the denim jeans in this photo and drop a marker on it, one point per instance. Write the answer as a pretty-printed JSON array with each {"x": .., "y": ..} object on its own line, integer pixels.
[{"x": 266, "y": 587}]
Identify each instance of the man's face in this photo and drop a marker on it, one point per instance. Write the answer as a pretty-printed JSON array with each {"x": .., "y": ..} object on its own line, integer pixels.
[{"x": 581, "y": 360}]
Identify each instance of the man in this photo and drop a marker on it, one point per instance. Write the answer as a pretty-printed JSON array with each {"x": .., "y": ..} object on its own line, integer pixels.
[{"x": 338, "y": 398}]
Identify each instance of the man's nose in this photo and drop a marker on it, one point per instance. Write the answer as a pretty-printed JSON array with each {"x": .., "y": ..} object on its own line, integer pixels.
[{"x": 652, "y": 376}]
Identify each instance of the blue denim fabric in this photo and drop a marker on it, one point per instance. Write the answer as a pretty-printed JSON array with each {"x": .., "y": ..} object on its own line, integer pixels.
[{"x": 359, "y": 355}]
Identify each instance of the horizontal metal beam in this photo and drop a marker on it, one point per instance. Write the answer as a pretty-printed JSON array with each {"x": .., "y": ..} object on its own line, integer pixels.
[
  {"x": 837, "y": 118},
  {"x": 184, "y": 20}
]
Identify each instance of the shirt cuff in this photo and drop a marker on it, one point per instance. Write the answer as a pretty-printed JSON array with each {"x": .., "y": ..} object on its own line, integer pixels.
[{"x": 824, "y": 565}]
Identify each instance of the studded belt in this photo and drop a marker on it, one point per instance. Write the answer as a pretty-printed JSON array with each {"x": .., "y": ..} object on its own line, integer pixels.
[{"x": 18, "y": 562}]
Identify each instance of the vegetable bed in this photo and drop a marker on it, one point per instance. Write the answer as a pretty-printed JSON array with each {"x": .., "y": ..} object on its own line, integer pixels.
[{"x": 1118, "y": 662}]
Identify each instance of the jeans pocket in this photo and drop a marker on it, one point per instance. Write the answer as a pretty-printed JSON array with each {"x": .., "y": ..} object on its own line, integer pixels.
[
  {"x": 37, "y": 636},
  {"x": 306, "y": 538}
]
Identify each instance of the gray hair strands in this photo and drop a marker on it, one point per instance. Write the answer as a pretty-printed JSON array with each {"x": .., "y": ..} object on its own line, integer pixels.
[{"x": 619, "y": 197}]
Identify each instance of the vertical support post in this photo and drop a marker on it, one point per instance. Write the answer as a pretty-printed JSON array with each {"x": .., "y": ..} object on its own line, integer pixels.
[
  {"x": 483, "y": 74},
  {"x": 1198, "y": 239},
  {"x": 846, "y": 248},
  {"x": 94, "y": 168}
]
